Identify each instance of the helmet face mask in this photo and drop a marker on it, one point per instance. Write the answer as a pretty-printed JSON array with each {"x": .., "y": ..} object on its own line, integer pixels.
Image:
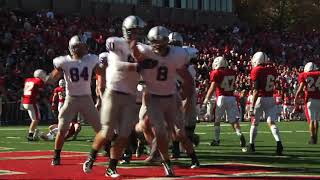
[
  {"x": 159, "y": 47},
  {"x": 132, "y": 28},
  {"x": 176, "y": 43}
]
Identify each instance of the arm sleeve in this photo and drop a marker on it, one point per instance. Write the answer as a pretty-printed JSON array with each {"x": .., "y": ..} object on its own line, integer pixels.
[
  {"x": 110, "y": 45},
  {"x": 123, "y": 66},
  {"x": 301, "y": 78},
  {"x": 253, "y": 75},
  {"x": 254, "y": 79},
  {"x": 213, "y": 76},
  {"x": 183, "y": 59}
]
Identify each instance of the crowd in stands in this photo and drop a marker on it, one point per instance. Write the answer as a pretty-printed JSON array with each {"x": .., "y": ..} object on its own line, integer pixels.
[{"x": 30, "y": 40}]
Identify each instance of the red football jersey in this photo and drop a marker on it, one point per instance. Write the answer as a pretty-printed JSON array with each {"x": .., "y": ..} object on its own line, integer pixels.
[
  {"x": 31, "y": 90},
  {"x": 61, "y": 93},
  {"x": 225, "y": 81},
  {"x": 312, "y": 83},
  {"x": 266, "y": 77}
]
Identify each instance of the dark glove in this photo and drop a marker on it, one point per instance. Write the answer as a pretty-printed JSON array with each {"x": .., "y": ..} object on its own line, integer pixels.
[{"x": 147, "y": 64}]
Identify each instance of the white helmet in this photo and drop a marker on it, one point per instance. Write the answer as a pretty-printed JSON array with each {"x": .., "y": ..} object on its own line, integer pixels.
[
  {"x": 259, "y": 58},
  {"x": 310, "y": 66},
  {"x": 74, "y": 41},
  {"x": 159, "y": 38},
  {"x": 219, "y": 62},
  {"x": 62, "y": 83},
  {"x": 175, "y": 39},
  {"x": 131, "y": 22},
  {"x": 158, "y": 33},
  {"x": 41, "y": 74}
]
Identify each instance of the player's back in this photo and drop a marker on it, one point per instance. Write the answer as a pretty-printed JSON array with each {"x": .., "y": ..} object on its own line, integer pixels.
[
  {"x": 265, "y": 77},
  {"x": 117, "y": 79},
  {"x": 312, "y": 81},
  {"x": 225, "y": 81},
  {"x": 77, "y": 73},
  {"x": 31, "y": 90},
  {"x": 162, "y": 79}
]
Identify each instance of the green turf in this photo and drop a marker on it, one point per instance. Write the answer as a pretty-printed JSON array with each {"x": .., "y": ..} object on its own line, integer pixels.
[{"x": 299, "y": 156}]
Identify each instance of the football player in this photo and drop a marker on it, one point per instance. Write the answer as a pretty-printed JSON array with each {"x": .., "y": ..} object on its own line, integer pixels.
[
  {"x": 278, "y": 98},
  {"x": 32, "y": 87},
  {"x": 159, "y": 104},
  {"x": 187, "y": 112},
  {"x": 73, "y": 131},
  {"x": 59, "y": 94},
  {"x": 263, "y": 80},
  {"x": 77, "y": 69},
  {"x": 309, "y": 82},
  {"x": 119, "y": 100},
  {"x": 287, "y": 107},
  {"x": 223, "y": 83}
]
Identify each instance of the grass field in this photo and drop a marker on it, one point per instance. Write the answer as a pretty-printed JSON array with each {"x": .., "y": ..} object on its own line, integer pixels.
[{"x": 299, "y": 157}]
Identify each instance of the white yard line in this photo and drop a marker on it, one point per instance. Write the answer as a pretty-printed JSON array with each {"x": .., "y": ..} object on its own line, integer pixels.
[{"x": 7, "y": 172}]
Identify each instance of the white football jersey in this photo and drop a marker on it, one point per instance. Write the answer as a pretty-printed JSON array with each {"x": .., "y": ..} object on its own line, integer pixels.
[
  {"x": 119, "y": 56},
  {"x": 161, "y": 80},
  {"x": 77, "y": 73},
  {"x": 192, "y": 53}
]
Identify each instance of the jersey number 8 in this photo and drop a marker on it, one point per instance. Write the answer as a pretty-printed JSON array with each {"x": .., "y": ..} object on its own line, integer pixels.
[{"x": 162, "y": 73}]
